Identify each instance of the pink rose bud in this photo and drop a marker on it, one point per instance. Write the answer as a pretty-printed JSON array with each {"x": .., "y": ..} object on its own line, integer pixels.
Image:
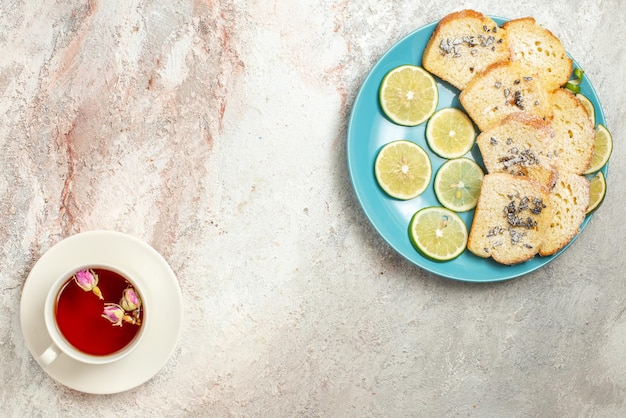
[
  {"x": 130, "y": 300},
  {"x": 88, "y": 281},
  {"x": 113, "y": 313}
]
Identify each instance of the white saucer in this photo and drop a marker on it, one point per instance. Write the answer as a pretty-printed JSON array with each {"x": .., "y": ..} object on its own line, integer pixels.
[{"x": 152, "y": 274}]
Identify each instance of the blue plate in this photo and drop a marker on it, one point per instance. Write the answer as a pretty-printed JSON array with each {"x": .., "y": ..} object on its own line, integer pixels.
[{"x": 369, "y": 130}]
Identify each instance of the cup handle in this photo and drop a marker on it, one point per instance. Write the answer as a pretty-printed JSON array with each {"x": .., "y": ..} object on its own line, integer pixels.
[{"x": 49, "y": 355}]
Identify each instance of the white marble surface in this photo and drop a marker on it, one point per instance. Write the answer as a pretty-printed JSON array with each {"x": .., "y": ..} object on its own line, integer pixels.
[{"x": 215, "y": 131}]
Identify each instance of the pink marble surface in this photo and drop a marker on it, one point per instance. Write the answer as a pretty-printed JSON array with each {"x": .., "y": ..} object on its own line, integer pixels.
[{"x": 215, "y": 132}]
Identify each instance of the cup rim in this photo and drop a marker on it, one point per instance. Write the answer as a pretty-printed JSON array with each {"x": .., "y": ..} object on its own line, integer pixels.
[{"x": 61, "y": 342}]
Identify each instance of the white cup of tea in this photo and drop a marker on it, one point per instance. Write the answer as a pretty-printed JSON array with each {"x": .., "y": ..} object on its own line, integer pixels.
[{"x": 94, "y": 314}]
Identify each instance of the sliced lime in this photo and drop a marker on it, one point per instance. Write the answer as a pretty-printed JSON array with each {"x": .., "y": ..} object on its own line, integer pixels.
[
  {"x": 591, "y": 111},
  {"x": 450, "y": 133},
  {"x": 408, "y": 95},
  {"x": 457, "y": 184},
  {"x": 438, "y": 233},
  {"x": 602, "y": 149},
  {"x": 402, "y": 169},
  {"x": 597, "y": 191}
]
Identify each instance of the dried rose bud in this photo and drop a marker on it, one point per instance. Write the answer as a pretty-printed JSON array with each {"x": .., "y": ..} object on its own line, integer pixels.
[
  {"x": 113, "y": 313},
  {"x": 88, "y": 281},
  {"x": 130, "y": 300}
]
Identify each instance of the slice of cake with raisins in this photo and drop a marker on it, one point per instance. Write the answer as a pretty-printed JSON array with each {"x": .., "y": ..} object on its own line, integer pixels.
[
  {"x": 538, "y": 50},
  {"x": 510, "y": 219},
  {"x": 568, "y": 202},
  {"x": 522, "y": 145},
  {"x": 574, "y": 132},
  {"x": 517, "y": 218},
  {"x": 464, "y": 44},
  {"x": 502, "y": 89}
]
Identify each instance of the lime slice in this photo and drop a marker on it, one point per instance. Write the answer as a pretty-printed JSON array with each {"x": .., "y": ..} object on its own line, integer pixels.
[
  {"x": 408, "y": 95},
  {"x": 402, "y": 169},
  {"x": 438, "y": 233},
  {"x": 457, "y": 184},
  {"x": 597, "y": 191},
  {"x": 588, "y": 106},
  {"x": 450, "y": 133},
  {"x": 601, "y": 150}
]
